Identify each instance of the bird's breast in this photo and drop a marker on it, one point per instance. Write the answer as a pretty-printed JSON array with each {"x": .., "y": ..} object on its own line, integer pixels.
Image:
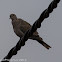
[{"x": 18, "y": 32}]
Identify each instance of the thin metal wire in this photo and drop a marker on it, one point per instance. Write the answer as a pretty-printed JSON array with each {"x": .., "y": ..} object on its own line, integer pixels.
[{"x": 37, "y": 24}]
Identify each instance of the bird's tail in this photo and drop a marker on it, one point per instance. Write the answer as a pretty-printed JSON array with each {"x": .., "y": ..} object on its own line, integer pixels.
[{"x": 40, "y": 40}]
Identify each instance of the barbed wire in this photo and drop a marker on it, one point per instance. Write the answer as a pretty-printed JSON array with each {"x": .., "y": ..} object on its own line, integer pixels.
[{"x": 37, "y": 24}]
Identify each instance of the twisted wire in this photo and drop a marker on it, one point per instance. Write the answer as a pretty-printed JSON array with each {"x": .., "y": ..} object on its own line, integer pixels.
[{"x": 37, "y": 24}]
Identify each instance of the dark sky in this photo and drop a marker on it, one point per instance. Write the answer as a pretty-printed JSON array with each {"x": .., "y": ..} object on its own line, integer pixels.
[{"x": 50, "y": 31}]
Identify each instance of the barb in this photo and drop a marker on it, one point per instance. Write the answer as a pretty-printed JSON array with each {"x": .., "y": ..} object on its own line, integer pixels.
[{"x": 37, "y": 24}]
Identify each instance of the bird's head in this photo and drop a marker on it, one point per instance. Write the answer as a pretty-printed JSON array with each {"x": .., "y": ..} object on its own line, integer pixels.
[{"x": 13, "y": 16}]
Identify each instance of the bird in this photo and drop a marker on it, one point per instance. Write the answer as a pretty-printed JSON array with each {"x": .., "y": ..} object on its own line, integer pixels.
[{"x": 20, "y": 27}]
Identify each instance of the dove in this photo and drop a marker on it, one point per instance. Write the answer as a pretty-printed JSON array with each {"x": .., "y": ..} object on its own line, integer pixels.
[{"x": 20, "y": 27}]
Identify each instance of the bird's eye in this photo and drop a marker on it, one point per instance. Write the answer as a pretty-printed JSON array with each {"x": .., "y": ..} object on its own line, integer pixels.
[{"x": 13, "y": 14}]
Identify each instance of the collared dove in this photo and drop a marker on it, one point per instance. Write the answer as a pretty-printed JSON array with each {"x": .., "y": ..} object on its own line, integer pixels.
[{"x": 20, "y": 27}]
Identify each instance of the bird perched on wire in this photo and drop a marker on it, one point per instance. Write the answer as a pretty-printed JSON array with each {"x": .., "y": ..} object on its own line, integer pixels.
[{"x": 20, "y": 27}]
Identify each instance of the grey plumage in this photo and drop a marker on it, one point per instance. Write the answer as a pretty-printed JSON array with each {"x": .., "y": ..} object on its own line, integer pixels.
[{"x": 20, "y": 27}]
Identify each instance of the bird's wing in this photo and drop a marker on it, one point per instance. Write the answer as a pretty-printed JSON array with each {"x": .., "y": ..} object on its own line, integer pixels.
[
  {"x": 24, "y": 23},
  {"x": 24, "y": 26}
]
